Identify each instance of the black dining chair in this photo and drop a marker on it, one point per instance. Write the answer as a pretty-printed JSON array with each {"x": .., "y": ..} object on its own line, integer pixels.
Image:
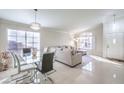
[{"x": 46, "y": 65}]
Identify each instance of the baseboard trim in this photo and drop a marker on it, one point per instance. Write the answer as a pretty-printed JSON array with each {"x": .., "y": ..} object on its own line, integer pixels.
[
  {"x": 67, "y": 64},
  {"x": 115, "y": 59}
]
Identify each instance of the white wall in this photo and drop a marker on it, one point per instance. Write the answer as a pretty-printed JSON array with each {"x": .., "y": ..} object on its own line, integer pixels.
[
  {"x": 111, "y": 49},
  {"x": 48, "y": 38},
  {"x": 97, "y": 32},
  {"x": 3, "y": 38},
  {"x": 52, "y": 38}
]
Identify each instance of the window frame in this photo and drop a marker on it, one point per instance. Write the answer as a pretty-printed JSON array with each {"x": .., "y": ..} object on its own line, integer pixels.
[
  {"x": 86, "y": 38},
  {"x": 33, "y": 42}
]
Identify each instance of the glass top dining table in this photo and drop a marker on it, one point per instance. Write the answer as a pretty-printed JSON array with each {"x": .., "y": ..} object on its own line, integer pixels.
[{"x": 30, "y": 60}]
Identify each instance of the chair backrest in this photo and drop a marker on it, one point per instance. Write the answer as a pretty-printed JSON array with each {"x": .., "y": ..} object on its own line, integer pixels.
[
  {"x": 16, "y": 60},
  {"x": 13, "y": 59},
  {"x": 47, "y": 62}
]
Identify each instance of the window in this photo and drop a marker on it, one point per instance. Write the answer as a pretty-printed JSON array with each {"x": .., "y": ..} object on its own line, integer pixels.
[
  {"x": 17, "y": 40},
  {"x": 86, "y": 41}
]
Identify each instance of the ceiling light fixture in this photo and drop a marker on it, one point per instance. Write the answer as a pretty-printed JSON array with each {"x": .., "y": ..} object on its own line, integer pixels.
[
  {"x": 114, "y": 24},
  {"x": 114, "y": 30},
  {"x": 35, "y": 25}
]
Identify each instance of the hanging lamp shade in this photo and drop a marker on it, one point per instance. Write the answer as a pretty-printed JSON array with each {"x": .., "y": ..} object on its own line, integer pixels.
[{"x": 35, "y": 25}]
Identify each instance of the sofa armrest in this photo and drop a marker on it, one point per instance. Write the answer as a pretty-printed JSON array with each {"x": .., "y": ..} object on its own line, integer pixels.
[
  {"x": 63, "y": 56},
  {"x": 76, "y": 59}
]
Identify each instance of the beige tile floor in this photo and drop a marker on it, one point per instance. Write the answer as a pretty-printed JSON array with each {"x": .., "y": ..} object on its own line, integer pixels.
[{"x": 93, "y": 70}]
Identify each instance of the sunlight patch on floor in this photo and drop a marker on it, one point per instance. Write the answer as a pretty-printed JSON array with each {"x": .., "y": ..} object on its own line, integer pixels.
[
  {"x": 105, "y": 60},
  {"x": 88, "y": 67}
]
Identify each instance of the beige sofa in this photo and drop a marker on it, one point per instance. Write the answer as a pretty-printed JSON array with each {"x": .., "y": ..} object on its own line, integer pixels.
[{"x": 68, "y": 56}]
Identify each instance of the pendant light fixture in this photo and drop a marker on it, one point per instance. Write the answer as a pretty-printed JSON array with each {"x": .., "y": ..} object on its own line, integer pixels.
[
  {"x": 114, "y": 24},
  {"x": 35, "y": 25},
  {"x": 114, "y": 30}
]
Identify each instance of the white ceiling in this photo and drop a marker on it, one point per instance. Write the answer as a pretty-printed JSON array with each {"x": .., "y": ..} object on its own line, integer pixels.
[{"x": 63, "y": 20}]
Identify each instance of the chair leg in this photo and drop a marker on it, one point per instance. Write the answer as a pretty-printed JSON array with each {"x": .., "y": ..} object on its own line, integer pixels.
[
  {"x": 47, "y": 78},
  {"x": 31, "y": 77},
  {"x": 27, "y": 75},
  {"x": 51, "y": 80},
  {"x": 34, "y": 76},
  {"x": 17, "y": 77},
  {"x": 22, "y": 79}
]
